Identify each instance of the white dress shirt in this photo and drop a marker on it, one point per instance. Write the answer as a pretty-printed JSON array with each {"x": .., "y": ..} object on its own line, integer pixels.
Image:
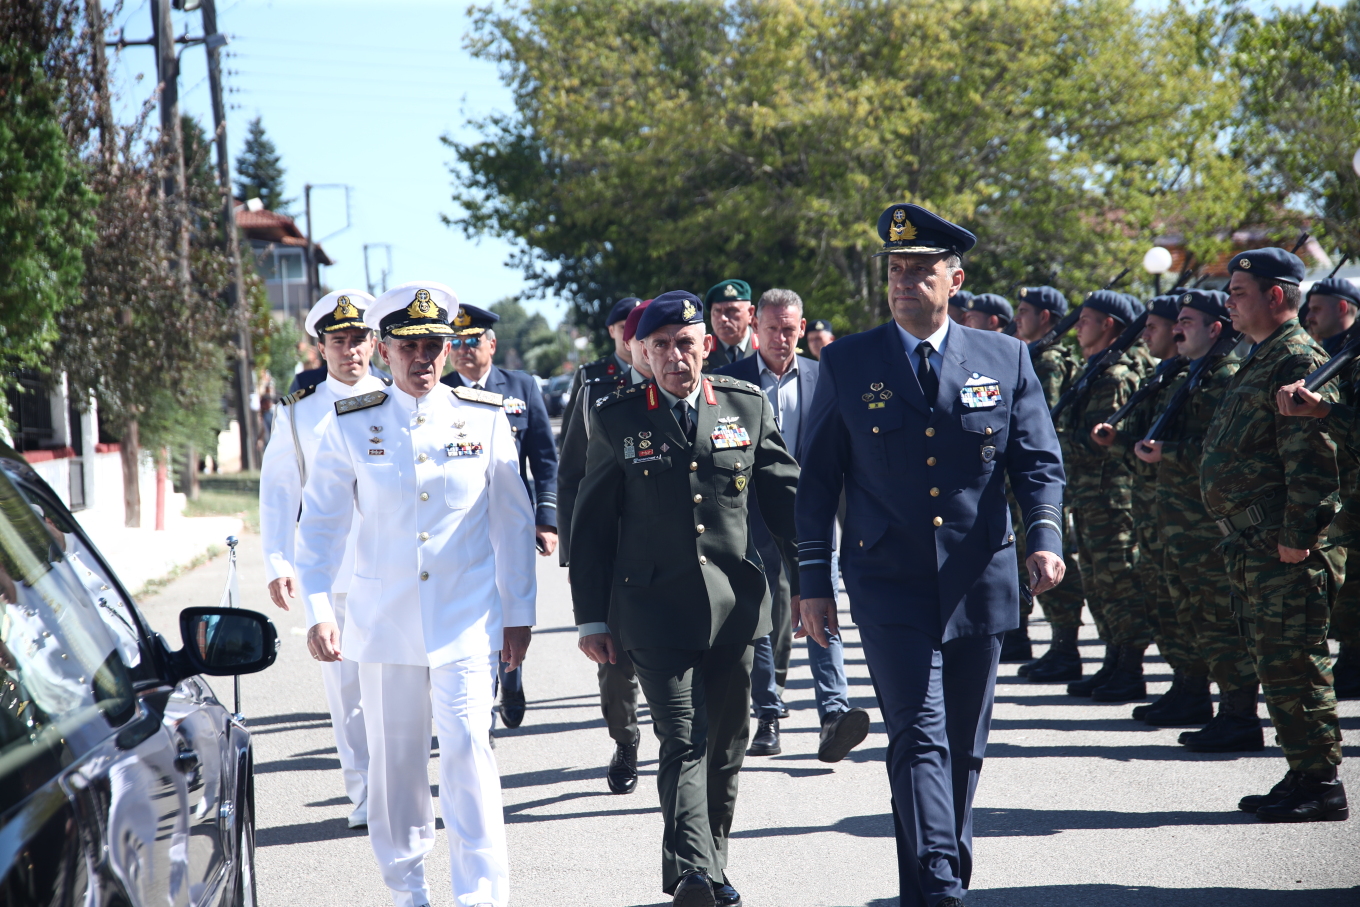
[
  {"x": 445, "y": 553},
  {"x": 281, "y": 483}
]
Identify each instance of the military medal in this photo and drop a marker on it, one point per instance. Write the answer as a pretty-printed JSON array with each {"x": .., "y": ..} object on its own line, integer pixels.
[
  {"x": 628, "y": 452},
  {"x": 375, "y": 452},
  {"x": 980, "y": 392},
  {"x": 463, "y": 449},
  {"x": 514, "y": 406}
]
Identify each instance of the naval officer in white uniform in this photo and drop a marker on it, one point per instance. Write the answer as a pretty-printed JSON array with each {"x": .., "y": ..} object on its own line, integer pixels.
[
  {"x": 443, "y": 581},
  {"x": 347, "y": 346}
]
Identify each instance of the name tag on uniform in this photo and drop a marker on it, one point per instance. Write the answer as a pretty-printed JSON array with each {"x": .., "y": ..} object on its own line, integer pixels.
[
  {"x": 463, "y": 449},
  {"x": 514, "y": 406},
  {"x": 980, "y": 392},
  {"x": 730, "y": 435}
]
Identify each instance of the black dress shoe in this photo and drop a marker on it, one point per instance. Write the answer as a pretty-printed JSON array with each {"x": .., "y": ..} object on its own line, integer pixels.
[
  {"x": 512, "y": 707},
  {"x": 1283, "y": 788},
  {"x": 950, "y": 902},
  {"x": 726, "y": 895},
  {"x": 1311, "y": 800},
  {"x": 623, "y": 775},
  {"x": 842, "y": 732},
  {"x": 695, "y": 889},
  {"x": 766, "y": 740}
]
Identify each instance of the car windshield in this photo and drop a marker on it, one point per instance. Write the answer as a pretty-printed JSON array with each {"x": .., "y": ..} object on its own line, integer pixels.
[{"x": 61, "y": 664}]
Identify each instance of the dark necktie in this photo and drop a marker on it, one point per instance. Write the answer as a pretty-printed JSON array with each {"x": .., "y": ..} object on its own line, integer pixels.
[
  {"x": 930, "y": 382},
  {"x": 686, "y": 422}
]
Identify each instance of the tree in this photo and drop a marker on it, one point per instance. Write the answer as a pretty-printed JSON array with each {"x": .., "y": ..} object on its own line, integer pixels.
[
  {"x": 259, "y": 171},
  {"x": 517, "y": 333}
]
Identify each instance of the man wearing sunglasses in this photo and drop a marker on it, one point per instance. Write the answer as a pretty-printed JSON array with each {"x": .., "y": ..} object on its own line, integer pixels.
[{"x": 473, "y": 346}]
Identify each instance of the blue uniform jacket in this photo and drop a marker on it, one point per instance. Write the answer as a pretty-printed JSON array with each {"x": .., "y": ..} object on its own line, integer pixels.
[
  {"x": 308, "y": 377},
  {"x": 927, "y": 536},
  {"x": 533, "y": 436}
]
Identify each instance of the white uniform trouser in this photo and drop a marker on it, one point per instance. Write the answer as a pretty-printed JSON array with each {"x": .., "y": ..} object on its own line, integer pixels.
[
  {"x": 341, "y": 680},
  {"x": 398, "y": 700}
]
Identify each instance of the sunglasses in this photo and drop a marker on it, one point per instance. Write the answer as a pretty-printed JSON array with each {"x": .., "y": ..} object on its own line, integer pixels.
[{"x": 469, "y": 342}]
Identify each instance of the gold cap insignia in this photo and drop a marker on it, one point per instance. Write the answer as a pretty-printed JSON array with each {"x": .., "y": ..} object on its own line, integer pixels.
[
  {"x": 422, "y": 306},
  {"x": 900, "y": 229},
  {"x": 689, "y": 311},
  {"x": 729, "y": 291},
  {"x": 463, "y": 319},
  {"x": 344, "y": 309},
  {"x": 1244, "y": 264}
]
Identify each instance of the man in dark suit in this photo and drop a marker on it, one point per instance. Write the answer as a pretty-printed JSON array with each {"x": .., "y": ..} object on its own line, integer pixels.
[
  {"x": 920, "y": 421},
  {"x": 474, "y": 343},
  {"x": 729, "y": 307},
  {"x": 313, "y": 376},
  {"x": 789, "y": 382}
]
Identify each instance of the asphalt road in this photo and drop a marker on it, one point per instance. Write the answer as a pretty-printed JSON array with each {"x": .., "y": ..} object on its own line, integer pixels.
[{"x": 1077, "y": 804}]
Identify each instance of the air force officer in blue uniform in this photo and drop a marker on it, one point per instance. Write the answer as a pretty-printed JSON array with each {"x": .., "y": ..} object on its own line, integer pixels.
[{"x": 920, "y": 420}]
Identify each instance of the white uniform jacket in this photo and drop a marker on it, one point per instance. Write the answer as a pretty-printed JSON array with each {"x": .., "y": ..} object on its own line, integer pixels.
[
  {"x": 281, "y": 483},
  {"x": 445, "y": 553}
]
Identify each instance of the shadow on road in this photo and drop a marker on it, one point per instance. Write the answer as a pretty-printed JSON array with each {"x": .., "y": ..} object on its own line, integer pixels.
[
  {"x": 1001, "y": 823},
  {"x": 1148, "y": 896}
]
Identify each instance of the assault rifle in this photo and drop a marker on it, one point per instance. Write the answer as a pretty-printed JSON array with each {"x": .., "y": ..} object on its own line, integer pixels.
[
  {"x": 1333, "y": 366},
  {"x": 1069, "y": 320},
  {"x": 1222, "y": 347},
  {"x": 1160, "y": 379},
  {"x": 1100, "y": 363}
]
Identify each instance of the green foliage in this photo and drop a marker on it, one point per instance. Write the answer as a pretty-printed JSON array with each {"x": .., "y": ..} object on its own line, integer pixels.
[
  {"x": 658, "y": 144},
  {"x": 259, "y": 173},
  {"x": 283, "y": 353},
  {"x": 517, "y": 333}
]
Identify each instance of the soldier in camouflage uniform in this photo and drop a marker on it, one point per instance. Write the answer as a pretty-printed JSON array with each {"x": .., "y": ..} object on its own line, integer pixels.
[
  {"x": 1187, "y": 702},
  {"x": 606, "y": 368},
  {"x": 1195, "y": 576},
  {"x": 1100, "y": 492},
  {"x": 1272, "y": 485},
  {"x": 1039, "y": 311}
]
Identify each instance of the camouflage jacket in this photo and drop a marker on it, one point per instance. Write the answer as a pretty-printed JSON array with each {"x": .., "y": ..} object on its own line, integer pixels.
[
  {"x": 1134, "y": 427},
  {"x": 1054, "y": 365},
  {"x": 1096, "y": 474},
  {"x": 1345, "y": 430},
  {"x": 1255, "y": 456},
  {"x": 1183, "y": 448}
]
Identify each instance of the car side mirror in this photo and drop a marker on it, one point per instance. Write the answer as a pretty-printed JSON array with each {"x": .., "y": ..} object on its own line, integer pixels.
[{"x": 221, "y": 642}]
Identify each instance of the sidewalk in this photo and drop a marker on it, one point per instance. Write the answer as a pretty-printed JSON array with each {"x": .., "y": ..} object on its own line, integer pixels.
[{"x": 143, "y": 556}]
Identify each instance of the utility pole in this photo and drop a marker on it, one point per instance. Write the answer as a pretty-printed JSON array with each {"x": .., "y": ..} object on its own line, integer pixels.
[
  {"x": 172, "y": 139},
  {"x": 310, "y": 260},
  {"x": 243, "y": 369},
  {"x": 385, "y": 273}
]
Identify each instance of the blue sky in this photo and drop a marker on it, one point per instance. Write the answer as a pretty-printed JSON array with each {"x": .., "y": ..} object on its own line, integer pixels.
[{"x": 356, "y": 93}]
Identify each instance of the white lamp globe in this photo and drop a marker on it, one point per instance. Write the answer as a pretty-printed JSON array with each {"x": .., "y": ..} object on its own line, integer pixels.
[
  {"x": 1355, "y": 162},
  {"x": 1157, "y": 260}
]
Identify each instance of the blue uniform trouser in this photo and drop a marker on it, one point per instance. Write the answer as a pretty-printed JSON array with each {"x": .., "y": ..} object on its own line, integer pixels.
[{"x": 936, "y": 701}]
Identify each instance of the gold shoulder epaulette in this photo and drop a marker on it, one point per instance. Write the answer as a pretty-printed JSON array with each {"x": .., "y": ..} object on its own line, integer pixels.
[
  {"x": 363, "y": 401},
  {"x": 298, "y": 394},
  {"x": 477, "y": 395}
]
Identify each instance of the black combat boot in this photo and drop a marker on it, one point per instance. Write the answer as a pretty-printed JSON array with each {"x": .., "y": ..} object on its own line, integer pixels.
[
  {"x": 1318, "y": 797},
  {"x": 1126, "y": 683},
  {"x": 1235, "y": 729},
  {"x": 1283, "y": 788},
  {"x": 1015, "y": 645},
  {"x": 1192, "y": 708},
  {"x": 1174, "y": 692},
  {"x": 1346, "y": 673},
  {"x": 1062, "y": 661},
  {"x": 1085, "y": 687}
]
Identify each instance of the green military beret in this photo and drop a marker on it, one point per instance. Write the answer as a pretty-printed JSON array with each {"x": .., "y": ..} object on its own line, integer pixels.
[{"x": 730, "y": 290}]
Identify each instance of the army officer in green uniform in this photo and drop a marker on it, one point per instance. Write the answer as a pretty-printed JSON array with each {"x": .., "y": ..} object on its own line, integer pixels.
[{"x": 661, "y": 555}]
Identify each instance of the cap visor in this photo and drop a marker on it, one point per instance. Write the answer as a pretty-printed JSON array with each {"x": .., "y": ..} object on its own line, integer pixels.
[
  {"x": 418, "y": 331},
  {"x": 913, "y": 250},
  {"x": 345, "y": 326}
]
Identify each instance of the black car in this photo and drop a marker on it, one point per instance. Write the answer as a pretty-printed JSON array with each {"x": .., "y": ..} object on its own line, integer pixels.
[
  {"x": 123, "y": 780},
  {"x": 557, "y": 393}
]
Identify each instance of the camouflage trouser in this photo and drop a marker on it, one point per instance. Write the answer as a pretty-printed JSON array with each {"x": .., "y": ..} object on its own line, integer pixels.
[
  {"x": 1109, "y": 573},
  {"x": 1026, "y": 607},
  {"x": 1175, "y": 640},
  {"x": 1198, "y": 583},
  {"x": 1287, "y": 607},
  {"x": 1346, "y": 610},
  {"x": 1062, "y": 606}
]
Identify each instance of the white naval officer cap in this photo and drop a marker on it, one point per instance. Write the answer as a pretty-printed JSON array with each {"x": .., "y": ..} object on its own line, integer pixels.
[
  {"x": 414, "y": 310},
  {"x": 338, "y": 311}
]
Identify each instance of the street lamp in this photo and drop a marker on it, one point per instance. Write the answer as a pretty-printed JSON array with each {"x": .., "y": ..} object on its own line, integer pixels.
[
  {"x": 1157, "y": 261},
  {"x": 1355, "y": 162}
]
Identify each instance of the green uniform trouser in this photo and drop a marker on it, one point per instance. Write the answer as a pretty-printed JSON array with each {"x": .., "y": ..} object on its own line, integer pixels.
[
  {"x": 1198, "y": 583},
  {"x": 1175, "y": 640},
  {"x": 699, "y": 702},
  {"x": 1287, "y": 607},
  {"x": 1346, "y": 610},
  {"x": 1062, "y": 606},
  {"x": 618, "y": 696},
  {"x": 1109, "y": 573}
]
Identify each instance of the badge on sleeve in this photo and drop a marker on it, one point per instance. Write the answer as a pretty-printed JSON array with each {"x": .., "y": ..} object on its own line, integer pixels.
[{"x": 980, "y": 392}]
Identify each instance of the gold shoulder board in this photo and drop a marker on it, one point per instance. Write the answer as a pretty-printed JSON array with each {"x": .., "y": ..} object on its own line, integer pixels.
[
  {"x": 299, "y": 394},
  {"x": 363, "y": 401},
  {"x": 477, "y": 395}
]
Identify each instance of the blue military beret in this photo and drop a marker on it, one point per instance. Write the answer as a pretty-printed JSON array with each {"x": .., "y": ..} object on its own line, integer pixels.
[
  {"x": 1210, "y": 302},
  {"x": 1272, "y": 263},
  {"x": 992, "y": 304},
  {"x": 730, "y": 290},
  {"x": 1118, "y": 306},
  {"x": 471, "y": 319},
  {"x": 961, "y": 299},
  {"x": 621, "y": 310},
  {"x": 1045, "y": 298},
  {"x": 671, "y": 307},
  {"x": 1167, "y": 307},
  {"x": 912, "y": 230},
  {"x": 1336, "y": 286},
  {"x": 817, "y": 324}
]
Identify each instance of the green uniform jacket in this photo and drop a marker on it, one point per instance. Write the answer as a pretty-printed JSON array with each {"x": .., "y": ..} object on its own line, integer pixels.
[
  {"x": 1255, "y": 456},
  {"x": 571, "y": 457},
  {"x": 660, "y": 548},
  {"x": 1054, "y": 366},
  {"x": 1178, "y": 472},
  {"x": 1095, "y": 475},
  {"x": 1341, "y": 423},
  {"x": 1132, "y": 430}
]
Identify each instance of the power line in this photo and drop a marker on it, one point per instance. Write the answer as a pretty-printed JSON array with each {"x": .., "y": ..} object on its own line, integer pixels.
[{"x": 366, "y": 80}]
